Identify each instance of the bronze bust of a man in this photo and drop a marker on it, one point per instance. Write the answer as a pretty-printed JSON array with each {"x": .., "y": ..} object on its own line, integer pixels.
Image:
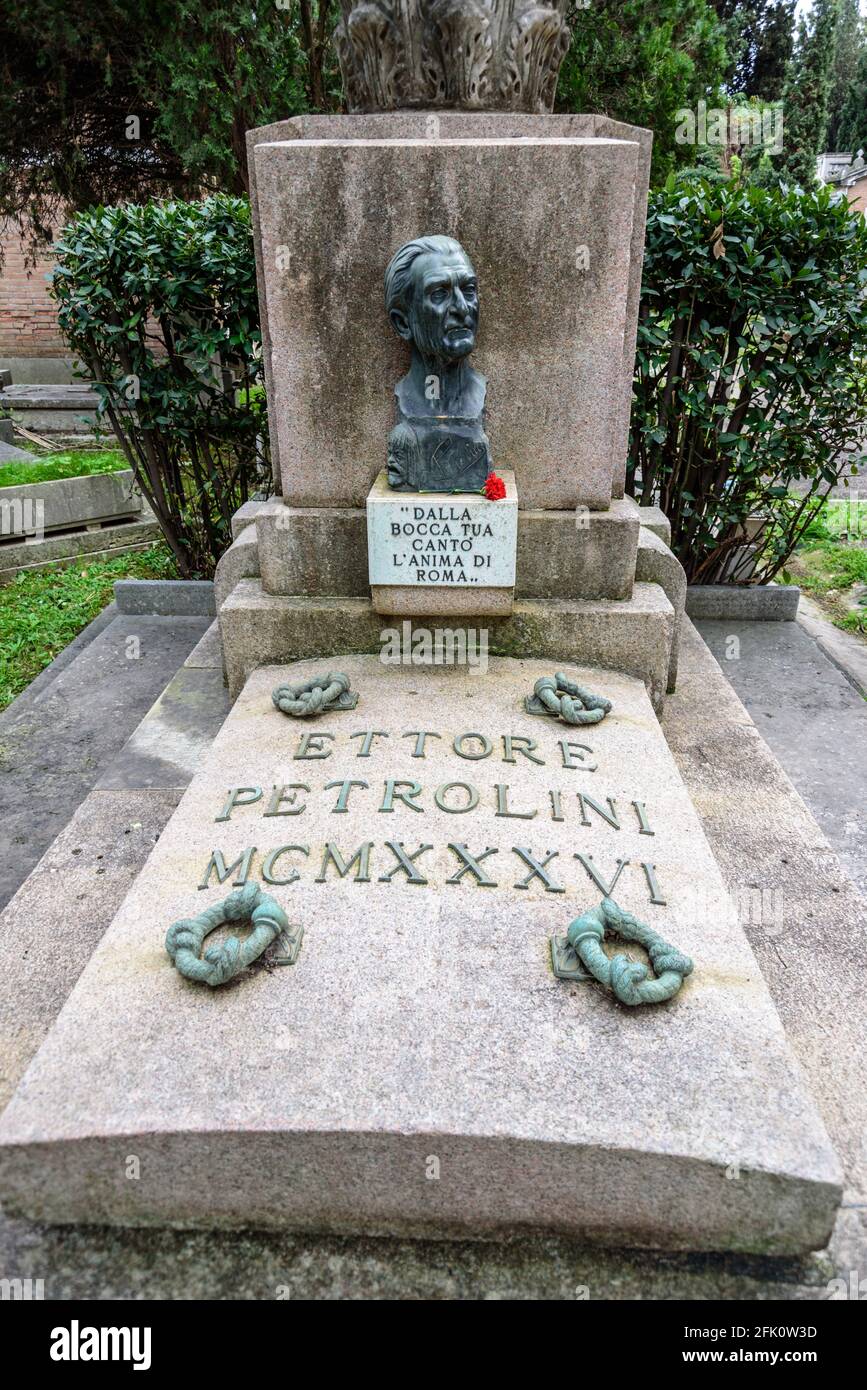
[{"x": 432, "y": 299}]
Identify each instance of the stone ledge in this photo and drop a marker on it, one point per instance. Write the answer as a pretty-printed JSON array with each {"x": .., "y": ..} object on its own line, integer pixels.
[
  {"x": 165, "y": 598},
  {"x": 655, "y": 520},
  {"x": 54, "y": 550},
  {"x": 577, "y": 554},
  {"x": 320, "y": 551},
  {"x": 633, "y": 636},
  {"x": 656, "y": 564},
  {"x": 763, "y": 603}
]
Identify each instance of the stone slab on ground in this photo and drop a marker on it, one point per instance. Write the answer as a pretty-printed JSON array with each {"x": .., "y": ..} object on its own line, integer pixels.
[
  {"x": 166, "y": 598},
  {"x": 52, "y": 408},
  {"x": 64, "y": 504},
  {"x": 207, "y": 651},
  {"x": 10, "y": 453},
  {"x": 846, "y": 650},
  {"x": 812, "y": 718},
  {"x": 94, "y": 1263},
  {"x": 422, "y": 1020},
  {"x": 770, "y": 603},
  {"x": 90, "y": 866},
  {"x": 57, "y": 549}
]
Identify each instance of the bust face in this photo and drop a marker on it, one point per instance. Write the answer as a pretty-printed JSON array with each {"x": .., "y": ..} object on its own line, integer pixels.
[{"x": 444, "y": 312}]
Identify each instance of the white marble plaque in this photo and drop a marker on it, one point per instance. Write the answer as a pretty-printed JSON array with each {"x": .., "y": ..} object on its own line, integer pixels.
[{"x": 451, "y": 540}]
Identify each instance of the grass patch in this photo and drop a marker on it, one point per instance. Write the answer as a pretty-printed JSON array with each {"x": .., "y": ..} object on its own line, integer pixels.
[
  {"x": 42, "y": 611},
  {"x": 77, "y": 463},
  {"x": 832, "y": 567},
  {"x": 831, "y": 563}
]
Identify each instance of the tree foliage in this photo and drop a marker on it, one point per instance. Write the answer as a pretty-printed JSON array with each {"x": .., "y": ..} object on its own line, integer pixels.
[
  {"x": 847, "y": 48},
  {"x": 642, "y": 60},
  {"x": 751, "y": 374},
  {"x": 852, "y": 130},
  {"x": 99, "y": 103},
  {"x": 807, "y": 94},
  {"x": 759, "y": 38},
  {"x": 159, "y": 302}
]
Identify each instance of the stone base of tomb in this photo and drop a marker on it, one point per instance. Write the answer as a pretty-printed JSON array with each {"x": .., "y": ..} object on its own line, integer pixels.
[
  {"x": 634, "y": 636},
  {"x": 419, "y": 1070}
]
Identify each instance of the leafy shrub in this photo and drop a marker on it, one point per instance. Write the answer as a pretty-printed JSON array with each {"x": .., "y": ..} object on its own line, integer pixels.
[
  {"x": 751, "y": 375},
  {"x": 159, "y": 302}
]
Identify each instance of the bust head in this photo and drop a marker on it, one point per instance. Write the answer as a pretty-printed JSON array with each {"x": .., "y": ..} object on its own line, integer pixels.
[{"x": 432, "y": 297}]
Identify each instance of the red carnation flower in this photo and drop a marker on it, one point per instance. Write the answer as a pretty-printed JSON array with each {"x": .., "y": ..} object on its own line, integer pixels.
[{"x": 494, "y": 488}]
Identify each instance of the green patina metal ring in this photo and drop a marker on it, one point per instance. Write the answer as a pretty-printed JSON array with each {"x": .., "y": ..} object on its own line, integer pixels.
[
  {"x": 565, "y": 699},
  {"x": 579, "y": 956},
  {"x": 316, "y": 696},
  {"x": 184, "y": 939}
]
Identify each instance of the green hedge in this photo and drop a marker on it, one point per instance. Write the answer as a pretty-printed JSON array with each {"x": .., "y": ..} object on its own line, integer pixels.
[
  {"x": 159, "y": 301},
  {"x": 751, "y": 374}
]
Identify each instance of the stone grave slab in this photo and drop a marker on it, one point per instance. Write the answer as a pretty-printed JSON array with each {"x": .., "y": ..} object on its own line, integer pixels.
[{"x": 419, "y": 1069}]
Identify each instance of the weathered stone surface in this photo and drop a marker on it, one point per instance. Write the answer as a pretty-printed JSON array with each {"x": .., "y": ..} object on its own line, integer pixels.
[
  {"x": 845, "y": 649},
  {"x": 43, "y": 946},
  {"x": 165, "y": 598},
  {"x": 248, "y": 512},
  {"x": 578, "y": 554},
  {"x": 771, "y": 603},
  {"x": 240, "y": 561},
  {"x": 68, "y": 502},
  {"x": 632, "y": 635},
  {"x": 313, "y": 550},
  {"x": 409, "y": 125},
  {"x": 9, "y": 453},
  {"x": 554, "y": 266},
  {"x": 323, "y": 550},
  {"x": 103, "y": 541},
  {"x": 168, "y": 746},
  {"x": 616, "y": 130},
  {"x": 654, "y": 519},
  {"x": 656, "y": 564},
  {"x": 52, "y": 408},
  {"x": 319, "y": 1097},
  {"x": 803, "y": 916},
  {"x": 810, "y": 979},
  {"x": 60, "y": 734},
  {"x": 207, "y": 652},
  {"x": 427, "y": 601}
]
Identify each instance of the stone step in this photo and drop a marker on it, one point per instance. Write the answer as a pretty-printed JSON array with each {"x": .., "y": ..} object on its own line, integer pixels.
[
  {"x": 633, "y": 635},
  {"x": 322, "y": 551},
  {"x": 419, "y": 1070}
]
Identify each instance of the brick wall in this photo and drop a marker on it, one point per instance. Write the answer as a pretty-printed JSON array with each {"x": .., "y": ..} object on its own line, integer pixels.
[
  {"x": 857, "y": 196},
  {"x": 28, "y": 321}
]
